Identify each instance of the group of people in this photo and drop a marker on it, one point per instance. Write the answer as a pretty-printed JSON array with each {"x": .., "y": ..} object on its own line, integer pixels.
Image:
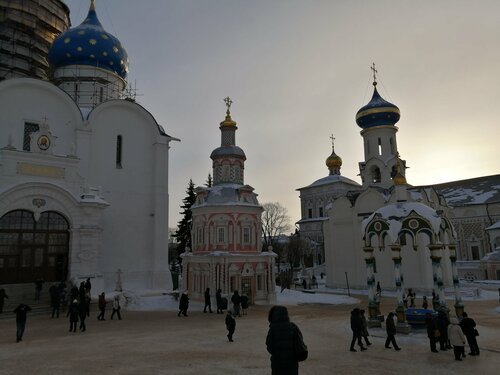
[
  {"x": 240, "y": 303},
  {"x": 451, "y": 334},
  {"x": 359, "y": 327},
  {"x": 78, "y": 305}
]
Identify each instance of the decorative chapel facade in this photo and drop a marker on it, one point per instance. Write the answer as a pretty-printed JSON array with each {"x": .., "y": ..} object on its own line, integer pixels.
[
  {"x": 83, "y": 171},
  {"x": 226, "y": 234}
]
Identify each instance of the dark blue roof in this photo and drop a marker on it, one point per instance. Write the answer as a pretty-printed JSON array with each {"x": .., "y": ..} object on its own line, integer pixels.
[
  {"x": 377, "y": 112},
  {"x": 228, "y": 151},
  {"x": 89, "y": 44}
]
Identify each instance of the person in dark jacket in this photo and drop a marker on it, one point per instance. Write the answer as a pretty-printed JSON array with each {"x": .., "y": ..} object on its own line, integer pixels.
[
  {"x": 55, "y": 300},
  {"x": 208, "y": 302},
  {"x": 183, "y": 304},
  {"x": 364, "y": 332},
  {"x": 116, "y": 308},
  {"x": 244, "y": 304},
  {"x": 442, "y": 324},
  {"x": 390, "y": 328},
  {"x": 82, "y": 314},
  {"x": 230, "y": 325},
  {"x": 430, "y": 323},
  {"x": 468, "y": 326},
  {"x": 21, "y": 312},
  {"x": 88, "y": 285},
  {"x": 73, "y": 315},
  {"x": 102, "y": 306},
  {"x": 3, "y": 295},
  {"x": 236, "y": 300},
  {"x": 282, "y": 342},
  {"x": 357, "y": 329},
  {"x": 218, "y": 299},
  {"x": 38, "y": 287}
]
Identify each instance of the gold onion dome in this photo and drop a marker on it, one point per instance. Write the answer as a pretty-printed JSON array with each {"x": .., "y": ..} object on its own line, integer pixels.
[
  {"x": 333, "y": 161},
  {"x": 228, "y": 120},
  {"x": 399, "y": 179}
]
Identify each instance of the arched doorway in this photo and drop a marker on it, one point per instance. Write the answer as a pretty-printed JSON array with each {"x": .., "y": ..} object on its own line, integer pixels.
[{"x": 32, "y": 249}]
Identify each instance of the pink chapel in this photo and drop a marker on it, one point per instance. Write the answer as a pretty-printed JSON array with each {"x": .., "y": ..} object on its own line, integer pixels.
[{"x": 226, "y": 233}]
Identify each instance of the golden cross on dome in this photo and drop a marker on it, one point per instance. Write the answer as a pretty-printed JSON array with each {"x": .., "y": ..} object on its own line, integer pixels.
[
  {"x": 228, "y": 102},
  {"x": 375, "y": 71},
  {"x": 92, "y": 4},
  {"x": 333, "y": 141}
]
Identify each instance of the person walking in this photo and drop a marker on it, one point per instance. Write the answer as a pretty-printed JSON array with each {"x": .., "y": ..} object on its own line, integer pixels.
[
  {"x": 3, "y": 295},
  {"x": 411, "y": 297},
  {"x": 38, "y": 288},
  {"x": 73, "y": 315},
  {"x": 431, "y": 326},
  {"x": 55, "y": 300},
  {"x": 21, "y": 311},
  {"x": 236, "y": 300},
  {"x": 244, "y": 304},
  {"x": 183, "y": 304},
  {"x": 390, "y": 328},
  {"x": 364, "y": 331},
  {"x": 82, "y": 314},
  {"x": 88, "y": 285},
  {"x": 218, "y": 300},
  {"x": 208, "y": 302},
  {"x": 230, "y": 325},
  {"x": 284, "y": 342},
  {"x": 116, "y": 307},
  {"x": 357, "y": 329},
  {"x": 379, "y": 289},
  {"x": 457, "y": 338},
  {"x": 468, "y": 326},
  {"x": 102, "y": 306}
]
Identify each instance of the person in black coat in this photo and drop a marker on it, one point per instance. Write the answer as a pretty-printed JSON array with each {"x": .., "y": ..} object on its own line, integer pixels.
[
  {"x": 208, "y": 303},
  {"x": 442, "y": 324},
  {"x": 55, "y": 300},
  {"x": 236, "y": 300},
  {"x": 218, "y": 299},
  {"x": 244, "y": 304},
  {"x": 283, "y": 342},
  {"x": 230, "y": 325},
  {"x": 3, "y": 295},
  {"x": 357, "y": 329},
  {"x": 73, "y": 315},
  {"x": 82, "y": 314},
  {"x": 468, "y": 326},
  {"x": 430, "y": 323},
  {"x": 390, "y": 328},
  {"x": 21, "y": 312},
  {"x": 183, "y": 304}
]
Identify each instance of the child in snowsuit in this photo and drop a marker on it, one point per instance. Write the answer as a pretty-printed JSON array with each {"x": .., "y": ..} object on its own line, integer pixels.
[{"x": 230, "y": 325}]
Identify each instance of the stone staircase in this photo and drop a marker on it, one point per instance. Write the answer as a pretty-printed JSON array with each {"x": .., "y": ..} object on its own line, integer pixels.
[{"x": 25, "y": 293}]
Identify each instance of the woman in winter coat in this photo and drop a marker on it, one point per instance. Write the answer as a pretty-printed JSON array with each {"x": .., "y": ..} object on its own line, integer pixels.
[
  {"x": 364, "y": 332},
  {"x": 183, "y": 304},
  {"x": 357, "y": 329},
  {"x": 102, "y": 306},
  {"x": 218, "y": 299},
  {"x": 73, "y": 315},
  {"x": 456, "y": 337},
  {"x": 284, "y": 342},
  {"x": 430, "y": 323}
]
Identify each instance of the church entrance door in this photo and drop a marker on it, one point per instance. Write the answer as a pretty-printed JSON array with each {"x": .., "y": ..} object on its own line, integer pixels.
[{"x": 32, "y": 249}]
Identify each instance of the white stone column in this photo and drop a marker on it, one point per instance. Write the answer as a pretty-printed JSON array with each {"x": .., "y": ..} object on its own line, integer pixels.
[
  {"x": 459, "y": 307},
  {"x": 402, "y": 325},
  {"x": 373, "y": 311},
  {"x": 437, "y": 274}
]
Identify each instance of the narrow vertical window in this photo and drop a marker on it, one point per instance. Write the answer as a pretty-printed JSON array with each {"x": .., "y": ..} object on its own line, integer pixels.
[
  {"x": 28, "y": 129},
  {"x": 101, "y": 94},
  {"x": 76, "y": 92},
  {"x": 379, "y": 146},
  {"x": 246, "y": 235},
  {"x": 392, "y": 146},
  {"x": 119, "y": 148},
  {"x": 321, "y": 212},
  {"x": 309, "y": 213}
]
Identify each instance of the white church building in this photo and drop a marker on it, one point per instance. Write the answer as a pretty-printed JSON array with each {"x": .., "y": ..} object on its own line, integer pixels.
[{"x": 83, "y": 171}]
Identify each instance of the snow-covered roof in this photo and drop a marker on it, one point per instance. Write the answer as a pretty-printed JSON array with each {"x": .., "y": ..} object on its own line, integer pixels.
[
  {"x": 479, "y": 190},
  {"x": 393, "y": 213},
  {"x": 228, "y": 194},
  {"x": 331, "y": 179},
  {"x": 493, "y": 256},
  {"x": 494, "y": 226}
]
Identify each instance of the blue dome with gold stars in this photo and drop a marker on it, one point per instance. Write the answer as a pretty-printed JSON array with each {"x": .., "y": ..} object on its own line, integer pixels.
[
  {"x": 377, "y": 112},
  {"x": 89, "y": 44}
]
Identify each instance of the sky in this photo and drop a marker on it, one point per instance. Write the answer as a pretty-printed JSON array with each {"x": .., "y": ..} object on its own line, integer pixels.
[{"x": 298, "y": 71}]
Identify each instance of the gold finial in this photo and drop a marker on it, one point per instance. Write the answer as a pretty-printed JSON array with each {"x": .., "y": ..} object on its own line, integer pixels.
[
  {"x": 333, "y": 142},
  {"x": 92, "y": 5},
  {"x": 374, "y": 71},
  {"x": 228, "y": 102},
  {"x": 399, "y": 179}
]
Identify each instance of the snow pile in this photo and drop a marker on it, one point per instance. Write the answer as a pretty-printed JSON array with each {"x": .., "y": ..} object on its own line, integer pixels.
[{"x": 296, "y": 297}]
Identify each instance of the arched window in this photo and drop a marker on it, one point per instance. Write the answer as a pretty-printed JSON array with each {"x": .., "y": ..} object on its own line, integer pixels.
[
  {"x": 32, "y": 249},
  {"x": 375, "y": 174}
]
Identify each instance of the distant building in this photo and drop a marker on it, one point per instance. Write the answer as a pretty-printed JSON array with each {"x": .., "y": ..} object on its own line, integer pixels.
[
  {"x": 83, "y": 171},
  {"x": 226, "y": 235}
]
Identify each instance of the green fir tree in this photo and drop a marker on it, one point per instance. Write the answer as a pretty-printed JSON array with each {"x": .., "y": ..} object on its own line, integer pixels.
[{"x": 183, "y": 233}]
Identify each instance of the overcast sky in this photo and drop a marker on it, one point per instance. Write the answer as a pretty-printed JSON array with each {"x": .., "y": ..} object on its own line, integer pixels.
[{"x": 298, "y": 71}]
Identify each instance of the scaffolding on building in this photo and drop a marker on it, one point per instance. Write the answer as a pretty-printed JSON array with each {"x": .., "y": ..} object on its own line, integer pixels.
[{"x": 27, "y": 30}]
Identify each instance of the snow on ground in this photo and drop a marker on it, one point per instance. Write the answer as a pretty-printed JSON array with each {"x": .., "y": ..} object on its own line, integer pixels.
[{"x": 298, "y": 297}]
